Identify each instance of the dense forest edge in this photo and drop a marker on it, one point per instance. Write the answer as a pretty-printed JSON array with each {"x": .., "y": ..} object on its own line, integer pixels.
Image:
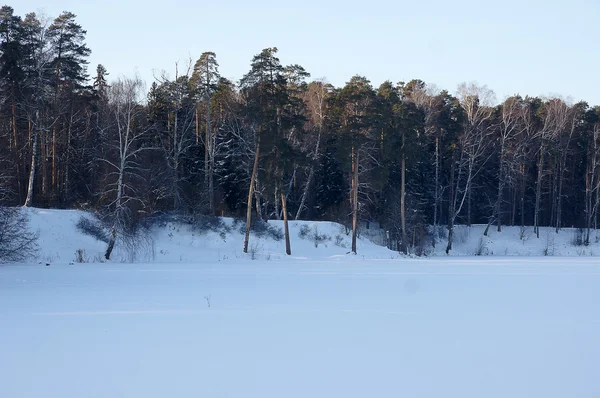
[{"x": 416, "y": 159}]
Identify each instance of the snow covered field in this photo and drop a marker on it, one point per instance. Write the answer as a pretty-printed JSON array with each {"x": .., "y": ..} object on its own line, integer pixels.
[{"x": 446, "y": 327}]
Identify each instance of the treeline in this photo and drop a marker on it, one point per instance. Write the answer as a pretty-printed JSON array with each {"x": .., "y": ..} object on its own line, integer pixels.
[{"x": 404, "y": 154}]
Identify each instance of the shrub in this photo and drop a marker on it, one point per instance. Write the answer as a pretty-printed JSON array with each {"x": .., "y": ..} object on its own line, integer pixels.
[
  {"x": 339, "y": 241},
  {"x": 17, "y": 243},
  {"x": 578, "y": 238},
  {"x": 481, "y": 249},
  {"x": 92, "y": 228},
  {"x": 80, "y": 256},
  {"x": 313, "y": 234},
  {"x": 204, "y": 223},
  {"x": 262, "y": 229},
  {"x": 304, "y": 232}
]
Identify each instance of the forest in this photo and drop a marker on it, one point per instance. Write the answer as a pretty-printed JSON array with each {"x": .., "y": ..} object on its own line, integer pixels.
[{"x": 277, "y": 144}]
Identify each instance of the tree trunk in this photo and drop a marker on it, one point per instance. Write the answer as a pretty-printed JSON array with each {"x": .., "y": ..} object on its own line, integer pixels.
[
  {"x": 197, "y": 125},
  {"x": 68, "y": 159},
  {"x": 206, "y": 156},
  {"x": 311, "y": 175},
  {"x": 402, "y": 201},
  {"x": 53, "y": 180},
  {"x": 44, "y": 163},
  {"x": 276, "y": 201},
  {"x": 522, "y": 194},
  {"x": 588, "y": 205},
  {"x": 111, "y": 242},
  {"x": 513, "y": 212},
  {"x": 211, "y": 156},
  {"x": 16, "y": 153},
  {"x": 250, "y": 194},
  {"x": 257, "y": 197},
  {"x": 538, "y": 193},
  {"x": 469, "y": 205},
  {"x": 288, "y": 249},
  {"x": 118, "y": 211},
  {"x": 34, "y": 150},
  {"x": 559, "y": 198},
  {"x": 436, "y": 201},
  {"x": 498, "y": 206},
  {"x": 354, "y": 197},
  {"x": 451, "y": 206}
]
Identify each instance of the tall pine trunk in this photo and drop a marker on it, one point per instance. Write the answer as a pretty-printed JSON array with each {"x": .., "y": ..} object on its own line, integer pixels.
[
  {"x": 436, "y": 201},
  {"x": 403, "y": 200},
  {"x": 250, "y": 194},
  {"x": 288, "y": 249},
  {"x": 354, "y": 197},
  {"x": 451, "y": 206},
  {"x": 210, "y": 142}
]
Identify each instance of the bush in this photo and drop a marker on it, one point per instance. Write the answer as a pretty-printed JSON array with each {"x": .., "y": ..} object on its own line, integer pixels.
[
  {"x": 17, "y": 243},
  {"x": 92, "y": 228},
  {"x": 262, "y": 229},
  {"x": 313, "y": 234},
  {"x": 524, "y": 233},
  {"x": 578, "y": 238},
  {"x": 304, "y": 232},
  {"x": 80, "y": 256},
  {"x": 254, "y": 251},
  {"x": 339, "y": 241},
  {"x": 482, "y": 249},
  {"x": 204, "y": 223}
]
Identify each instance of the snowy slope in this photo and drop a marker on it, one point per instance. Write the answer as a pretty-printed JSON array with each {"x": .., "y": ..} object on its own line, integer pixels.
[
  {"x": 173, "y": 242},
  {"x": 176, "y": 242},
  {"x": 514, "y": 241}
]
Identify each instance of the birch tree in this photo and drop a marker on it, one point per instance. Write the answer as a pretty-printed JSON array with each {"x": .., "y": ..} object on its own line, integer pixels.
[
  {"x": 315, "y": 99},
  {"x": 37, "y": 92},
  {"x": 510, "y": 127},
  {"x": 470, "y": 153},
  {"x": 124, "y": 139}
]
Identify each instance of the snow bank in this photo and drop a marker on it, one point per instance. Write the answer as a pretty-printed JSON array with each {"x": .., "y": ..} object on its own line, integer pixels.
[
  {"x": 517, "y": 241},
  {"x": 178, "y": 242}
]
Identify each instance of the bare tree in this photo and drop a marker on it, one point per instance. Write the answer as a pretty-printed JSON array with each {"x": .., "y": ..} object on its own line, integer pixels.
[
  {"x": 592, "y": 181},
  {"x": 554, "y": 119},
  {"x": 567, "y": 122},
  {"x": 180, "y": 126},
  {"x": 17, "y": 242},
  {"x": 36, "y": 92},
  {"x": 124, "y": 139},
  {"x": 251, "y": 193},
  {"x": 316, "y": 96},
  {"x": 471, "y": 151},
  {"x": 510, "y": 128},
  {"x": 428, "y": 100}
]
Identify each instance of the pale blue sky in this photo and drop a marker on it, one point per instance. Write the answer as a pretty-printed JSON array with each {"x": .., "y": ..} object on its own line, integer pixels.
[{"x": 535, "y": 47}]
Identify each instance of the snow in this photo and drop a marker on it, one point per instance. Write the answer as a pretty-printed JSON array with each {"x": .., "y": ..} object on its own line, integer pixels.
[
  {"x": 179, "y": 243},
  {"x": 203, "y": 320}
]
